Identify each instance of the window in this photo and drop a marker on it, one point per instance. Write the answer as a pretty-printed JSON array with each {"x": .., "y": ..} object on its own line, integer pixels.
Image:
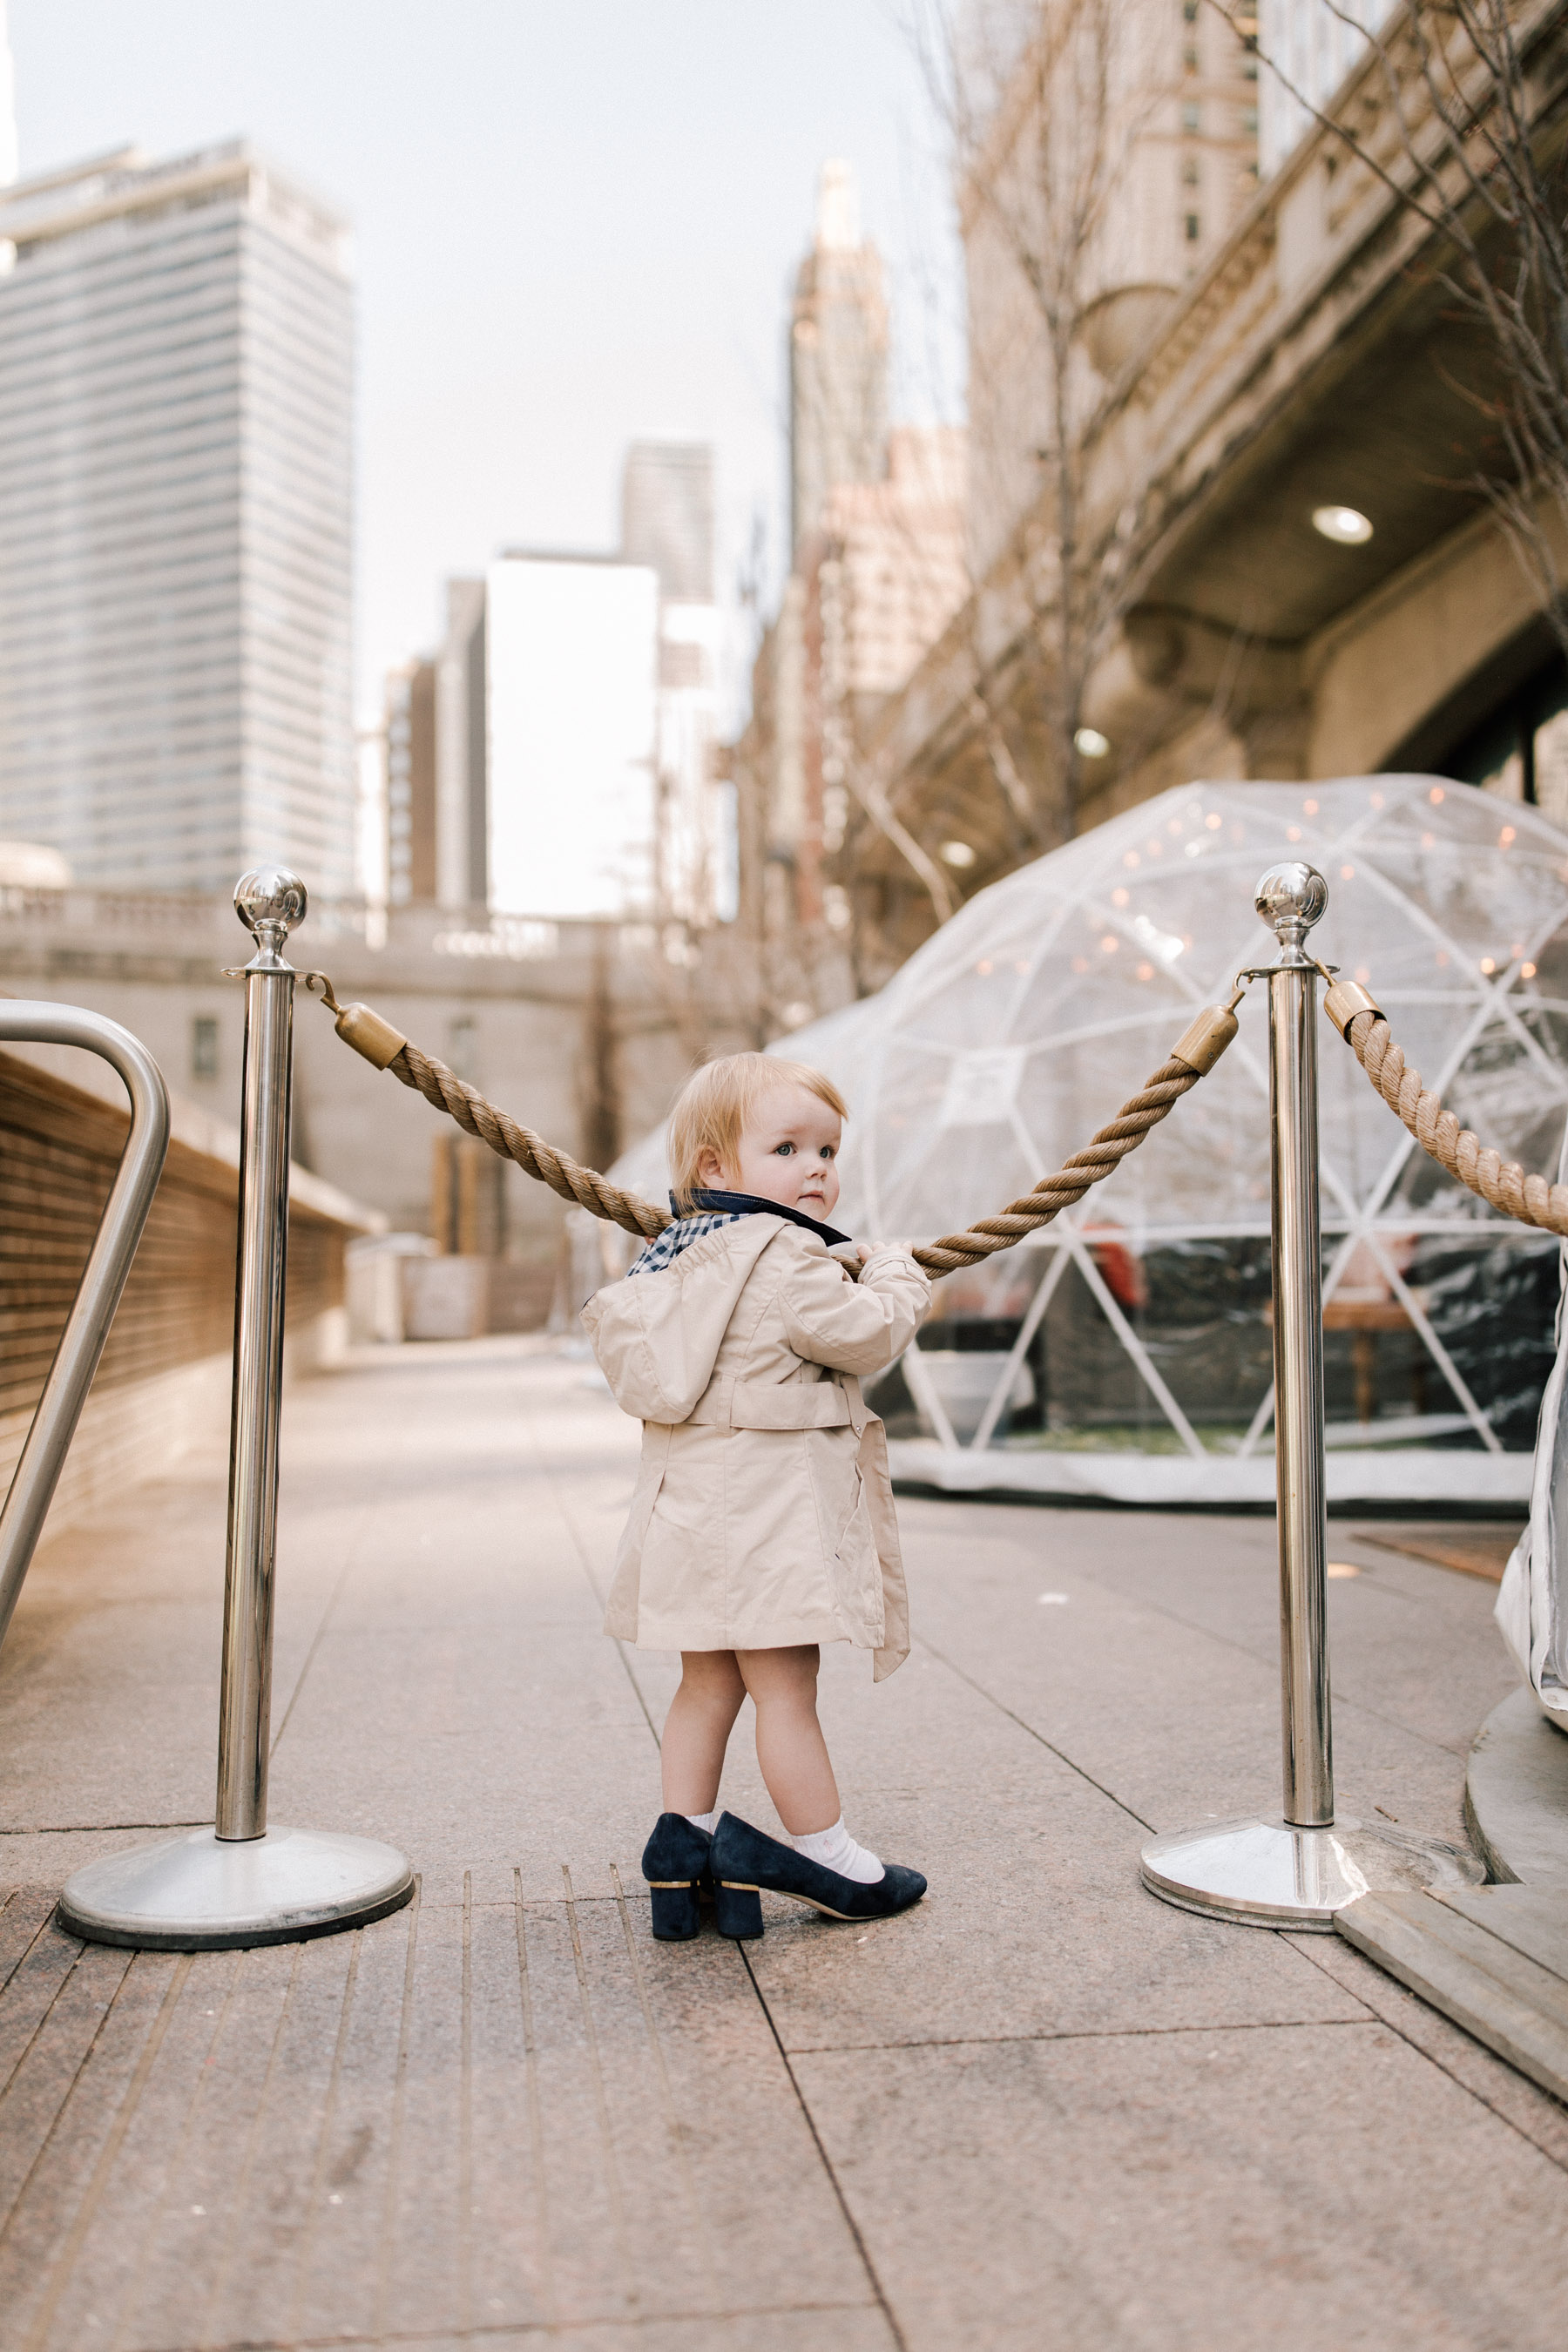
[
  {"x": 1193, "y": 118},
  {"x": 1249, "y": 121},
  {"x": 1190, "y": 56},
  {"x": 1189, "y": 11},
  {"x": 203, "y": 1047},
  {"x": 1190, "y": 174},
  {"x": 1194, "y": 229}
]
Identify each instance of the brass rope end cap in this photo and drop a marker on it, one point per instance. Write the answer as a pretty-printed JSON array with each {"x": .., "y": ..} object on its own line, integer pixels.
[
  {"x": 1344, "y": 1000},
  {"x": 1200, "y": 1046},
  {"x": 369, "y": 1034}
]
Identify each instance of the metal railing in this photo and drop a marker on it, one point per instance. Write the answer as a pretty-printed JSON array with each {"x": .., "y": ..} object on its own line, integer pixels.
[{"x": 103, "y": 1278}]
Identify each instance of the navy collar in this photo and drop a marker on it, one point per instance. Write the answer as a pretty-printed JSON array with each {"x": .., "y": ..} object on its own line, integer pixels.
[{"x": 747, "y": 1204}]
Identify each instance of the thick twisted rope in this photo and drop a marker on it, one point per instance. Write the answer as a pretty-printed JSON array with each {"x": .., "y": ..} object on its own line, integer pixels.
[
  {"x": 444, "y": 1091},
  {"x": 1052, "y": 1194},
  {"x": 1195, "y": 1053},
  {"x": 1502, "y": 1182}
]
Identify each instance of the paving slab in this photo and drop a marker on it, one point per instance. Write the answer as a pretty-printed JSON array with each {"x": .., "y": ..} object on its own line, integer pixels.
[
  {"x": 1147, "y": 1612},
  {"x": 1043, "y": 2108},
  {"x": 1496, "y": 1962},
  {"x": 466, "y": 2119},
  {"x": 1510, "y": 2094},
  {"x": 1170, "y": 2192}
]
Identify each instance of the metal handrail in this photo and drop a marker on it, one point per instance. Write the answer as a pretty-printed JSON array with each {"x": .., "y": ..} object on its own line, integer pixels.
[{"x": 109, "y": 1263}]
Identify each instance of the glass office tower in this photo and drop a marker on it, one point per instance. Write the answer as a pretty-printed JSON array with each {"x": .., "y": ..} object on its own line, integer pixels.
[{"x": 176, "y": 356}]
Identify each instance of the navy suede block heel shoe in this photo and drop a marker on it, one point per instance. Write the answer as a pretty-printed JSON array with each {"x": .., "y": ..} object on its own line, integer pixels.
[
  {"x": 738, "y": 1911},
  {"x": 676, "y": 1862},
  {"x": 744, "y": 1854}
]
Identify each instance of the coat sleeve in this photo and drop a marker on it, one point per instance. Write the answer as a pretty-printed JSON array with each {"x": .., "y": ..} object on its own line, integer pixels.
[{"x": 853, "y": 1326}]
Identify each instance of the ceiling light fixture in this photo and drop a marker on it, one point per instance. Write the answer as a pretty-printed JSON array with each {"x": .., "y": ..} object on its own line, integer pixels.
[
  {"x": 956, "y": 853},
  {"x": 1344, "y": 525},
  {"x": 1091, "y": 743}
]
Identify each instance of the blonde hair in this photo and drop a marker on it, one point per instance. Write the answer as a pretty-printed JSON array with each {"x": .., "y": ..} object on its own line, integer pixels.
[{"x": 714, "y": 1106}]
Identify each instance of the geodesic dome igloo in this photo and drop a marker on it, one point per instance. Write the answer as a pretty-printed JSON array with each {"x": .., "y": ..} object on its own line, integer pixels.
[{"x": 1126, "y": 1349}]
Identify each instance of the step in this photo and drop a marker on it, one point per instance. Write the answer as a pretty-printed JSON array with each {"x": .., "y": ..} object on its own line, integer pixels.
[{"x": 1494, "y": 1958}]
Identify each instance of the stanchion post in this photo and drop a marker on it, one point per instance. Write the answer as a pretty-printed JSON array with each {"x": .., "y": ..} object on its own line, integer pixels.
[
  {"x": 1296, "y": 1870},
  {"x": 241, "y": 1882},
  {"x": 245, "y": 1703},
  {"x": 1298, "y": 1356}
]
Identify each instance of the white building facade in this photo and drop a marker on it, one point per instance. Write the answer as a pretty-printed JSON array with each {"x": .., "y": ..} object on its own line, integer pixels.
[
  {"x": 572, "y": 672},
  {"x": 177, "y": 362}
]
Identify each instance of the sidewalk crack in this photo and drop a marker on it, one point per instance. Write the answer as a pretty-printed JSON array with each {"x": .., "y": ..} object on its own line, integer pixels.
[
  {"x": 1061, "y": 1754},
  {"x": 850, "y": 2224}
]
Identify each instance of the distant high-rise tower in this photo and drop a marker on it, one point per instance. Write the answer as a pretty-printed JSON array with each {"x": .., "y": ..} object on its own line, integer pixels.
[
  {"x": 1312, "y": 44},
  {"x": 667, "y": 522},
  {"x": 462, "y": 751},
  {"x": 176, "y": 361},
  {"x": 837, "y": 359},
  {"x": 666, "y": 517},
  {"x": 8, "y": 159}
]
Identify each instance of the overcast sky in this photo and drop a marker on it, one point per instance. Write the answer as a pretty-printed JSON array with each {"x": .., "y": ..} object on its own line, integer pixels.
[{"x": 577, "y": 221}]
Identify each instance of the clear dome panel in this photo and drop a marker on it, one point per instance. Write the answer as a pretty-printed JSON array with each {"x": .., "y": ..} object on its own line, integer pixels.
[{"x": 1128, "y": 1348}]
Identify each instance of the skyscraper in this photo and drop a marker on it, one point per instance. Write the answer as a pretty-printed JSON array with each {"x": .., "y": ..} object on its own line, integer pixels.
[
  {"x": 411, "y": 787},
  {"x": 177, "y": 350},
  {"x": 462, "y": 751},
  {"x": 667, "y": 522},
  {"x": 837, "y": 359},
  {"x": 666, "y": 517},
  {"x": 1309, "y": 46},
  {"x": 8, "y": 106}
]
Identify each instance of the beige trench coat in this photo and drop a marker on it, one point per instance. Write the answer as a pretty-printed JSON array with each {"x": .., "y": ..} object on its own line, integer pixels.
[{"x": 764, "y": 1512}]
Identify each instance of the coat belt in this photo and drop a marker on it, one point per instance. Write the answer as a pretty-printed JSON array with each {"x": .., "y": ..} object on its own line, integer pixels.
[{"x": 774, "y": 1404}]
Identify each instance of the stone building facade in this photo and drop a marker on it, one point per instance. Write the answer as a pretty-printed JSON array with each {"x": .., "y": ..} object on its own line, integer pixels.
[
  {"x": 582, "y": 1031},
  {"x": 1310, "y": 369}
]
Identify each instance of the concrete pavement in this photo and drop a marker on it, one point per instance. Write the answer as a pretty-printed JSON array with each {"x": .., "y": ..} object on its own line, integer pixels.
[{"x": 1042, "y": 2110}]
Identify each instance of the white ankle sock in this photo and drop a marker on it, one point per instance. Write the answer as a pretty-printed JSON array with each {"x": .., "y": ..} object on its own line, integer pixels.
[
  {"x": 835, "y": 1848},
  {"x": 707, "y": 1822}
]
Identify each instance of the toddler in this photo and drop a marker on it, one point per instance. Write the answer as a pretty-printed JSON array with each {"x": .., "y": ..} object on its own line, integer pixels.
[{"x": 762, "y": 1524}]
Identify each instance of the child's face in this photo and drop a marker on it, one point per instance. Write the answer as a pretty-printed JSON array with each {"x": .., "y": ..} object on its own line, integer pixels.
[{"x": 787, "y": 1153}]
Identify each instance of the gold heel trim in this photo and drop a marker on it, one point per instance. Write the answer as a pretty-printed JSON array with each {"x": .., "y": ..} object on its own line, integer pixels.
[
  {"x": 740, "y": 1886},
  {"x": 675, "y": 1882}
]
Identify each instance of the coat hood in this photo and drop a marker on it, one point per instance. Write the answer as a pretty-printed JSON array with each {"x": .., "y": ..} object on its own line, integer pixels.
[{"x": 657, "y": 1337}]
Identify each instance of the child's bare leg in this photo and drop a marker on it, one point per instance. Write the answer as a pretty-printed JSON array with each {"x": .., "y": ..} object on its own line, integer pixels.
[
  {"x": 701, "y": 1716},
  {"x": 791, "y": 1749}
]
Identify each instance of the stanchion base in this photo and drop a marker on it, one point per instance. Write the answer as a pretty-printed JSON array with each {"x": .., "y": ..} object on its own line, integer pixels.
[
  {"x": 200, "y": 1893},
  {"x": 1263, "y": 1873}
]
